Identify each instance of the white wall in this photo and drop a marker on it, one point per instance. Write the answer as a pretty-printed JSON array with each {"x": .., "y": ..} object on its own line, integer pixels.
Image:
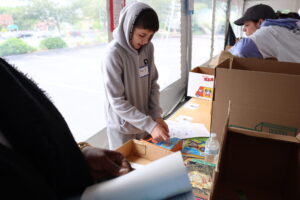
[{"x": 292, "y": 5}]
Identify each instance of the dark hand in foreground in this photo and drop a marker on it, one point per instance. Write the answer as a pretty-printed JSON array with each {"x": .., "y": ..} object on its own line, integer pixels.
[{"x": 105, "y": 164}]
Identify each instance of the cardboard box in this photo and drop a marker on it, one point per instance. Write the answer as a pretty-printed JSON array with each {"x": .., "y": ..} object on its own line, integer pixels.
[
  {"x": 201, "y": 83},
  {"x": 224, "y": 55},
  {"x": 142, "y": 152},
  {"x": 256, "y": 165},
  {"x": 264, "y": 96}
]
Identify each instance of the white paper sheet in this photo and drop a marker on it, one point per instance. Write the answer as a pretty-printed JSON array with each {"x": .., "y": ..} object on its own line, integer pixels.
[
  {"x": 185, "y": 129},
  {"x": 137, "y": 166},
  {"x": 192, "y": 106},
  {"x": 161, "y": 179},
  {"x": 184, "y": 118}
]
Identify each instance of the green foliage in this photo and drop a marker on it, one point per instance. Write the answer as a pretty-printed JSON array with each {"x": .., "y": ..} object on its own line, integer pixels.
[
  {"x": 73, "y": 12},
  {"x": 93, "y": 10},
  {"x": 47, "y": 10},
  {"x": 97, "y": 25},
  {"x": 14, "y": 46},
  {"x": 3, "y": 10},
  {"x": 53, "y": 43},
  {"x": 22, "y": 18}
]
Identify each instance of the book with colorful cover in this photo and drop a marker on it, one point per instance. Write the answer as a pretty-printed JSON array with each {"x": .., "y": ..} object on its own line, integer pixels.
[
  {"x": 174, "y": 144},
  {"x": 194, "y": 147},
  {"x": 201, "y": 176}
]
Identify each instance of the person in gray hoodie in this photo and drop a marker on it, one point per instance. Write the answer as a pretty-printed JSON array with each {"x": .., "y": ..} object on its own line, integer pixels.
[{"x": 130, "y": 79}]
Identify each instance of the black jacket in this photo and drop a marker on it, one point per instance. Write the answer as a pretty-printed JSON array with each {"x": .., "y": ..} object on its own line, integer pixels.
[{"x": 45, "y": 162}]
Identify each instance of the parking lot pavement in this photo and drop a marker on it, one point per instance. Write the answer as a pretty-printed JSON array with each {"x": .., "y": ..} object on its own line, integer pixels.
[{"x": 71, "y": 78}]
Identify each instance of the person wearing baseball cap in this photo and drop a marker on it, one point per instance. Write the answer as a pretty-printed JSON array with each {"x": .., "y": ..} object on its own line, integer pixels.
[
  {"x": 254, "y": 16},
  {"x": 269, "y": 36}
]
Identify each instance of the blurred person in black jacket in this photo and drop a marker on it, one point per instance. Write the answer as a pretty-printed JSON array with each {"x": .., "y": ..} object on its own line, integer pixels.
[{"x": 39, "y": 158}]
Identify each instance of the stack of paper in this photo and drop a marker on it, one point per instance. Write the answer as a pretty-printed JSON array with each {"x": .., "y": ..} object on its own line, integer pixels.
[{"x": 161, "y": 179}]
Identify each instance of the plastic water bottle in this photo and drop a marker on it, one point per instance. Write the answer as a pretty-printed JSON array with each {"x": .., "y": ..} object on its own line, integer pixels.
[{"x": 212, "y": 147}]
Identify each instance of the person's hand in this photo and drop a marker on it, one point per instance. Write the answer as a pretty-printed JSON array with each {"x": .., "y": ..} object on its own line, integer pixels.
[
  {"x": 105, "y": 164},
  {"x": 162, "y": 123},
  {"x": 160, "y": 134}
]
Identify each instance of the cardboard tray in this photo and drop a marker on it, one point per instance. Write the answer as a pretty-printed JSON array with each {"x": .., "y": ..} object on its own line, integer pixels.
[{"x": 142, "y": 152}]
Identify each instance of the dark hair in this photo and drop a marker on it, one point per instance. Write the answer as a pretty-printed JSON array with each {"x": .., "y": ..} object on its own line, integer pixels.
[
  {"x": 147, "y": 19},
  {"x": 255, "y": 20},
  {"x": 280, "y": 15}
]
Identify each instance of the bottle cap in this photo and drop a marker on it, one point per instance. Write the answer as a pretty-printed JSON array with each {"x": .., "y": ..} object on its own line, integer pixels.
[{"x": 213, "y": 135}]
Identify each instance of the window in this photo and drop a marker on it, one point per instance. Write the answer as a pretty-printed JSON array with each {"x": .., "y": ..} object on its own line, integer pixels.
[
  {"x": 201, "y": 32},
  {"x": 220, "y": 24},
  {"x": 167, "y": 40},
  {"x": 59, "y": 44},
  {"x": 235, "y": 13}
]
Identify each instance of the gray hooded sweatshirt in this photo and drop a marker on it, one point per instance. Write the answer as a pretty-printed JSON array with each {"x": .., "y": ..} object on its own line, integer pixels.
[{"x": 132, "y": 96}]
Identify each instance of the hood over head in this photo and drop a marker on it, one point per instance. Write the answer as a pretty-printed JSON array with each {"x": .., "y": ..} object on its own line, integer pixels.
[
  {"x": 288, "y": 23},
  {"x": 123, "y": 32}
]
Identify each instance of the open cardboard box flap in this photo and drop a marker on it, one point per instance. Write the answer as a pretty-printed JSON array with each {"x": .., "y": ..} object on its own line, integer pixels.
[
  {"x": 256, "y": 165},
  {"x": 142, "y": 152},
  {"x": 204, "y": 70},
  {"x": 260, "y": 65}
]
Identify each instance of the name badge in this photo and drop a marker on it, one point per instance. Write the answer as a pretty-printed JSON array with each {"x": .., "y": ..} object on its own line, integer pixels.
[{"x": 143, "y": 71}]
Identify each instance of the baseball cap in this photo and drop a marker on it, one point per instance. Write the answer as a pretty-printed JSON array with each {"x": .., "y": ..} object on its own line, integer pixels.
[{"x": 260, "y": 11}]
